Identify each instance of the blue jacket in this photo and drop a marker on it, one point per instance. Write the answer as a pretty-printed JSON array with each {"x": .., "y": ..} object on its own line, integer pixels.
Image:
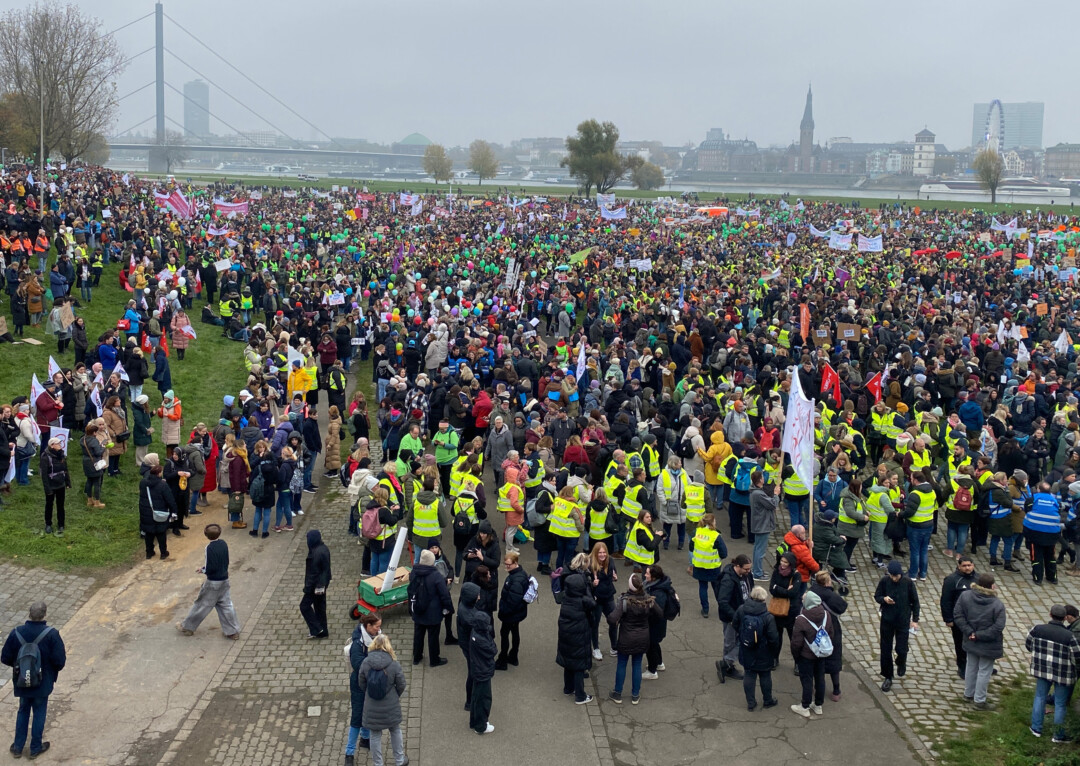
[
  {"x": 107, "y": 355},
  {"x": 829, "y": 493},
  {"x": 58, "y": 284},
  {"x": 132, "y": 316},
  {"x": 53, "y": 656},
  {"x": 971, "y": 415}
]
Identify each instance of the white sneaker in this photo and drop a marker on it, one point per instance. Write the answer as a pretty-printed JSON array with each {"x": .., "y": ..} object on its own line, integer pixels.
[
  {"x": 597, "y": 655},
  {"x": 816, "y": 709},
  {"x": 491, "y": 728},
  {"x": 614, "y": 652},
  {"x": 661, "y": 667},
  {"x": 649, "y": 676},
  {"x": 300, "y": 513},
  {"x": 800, "y": 710}
]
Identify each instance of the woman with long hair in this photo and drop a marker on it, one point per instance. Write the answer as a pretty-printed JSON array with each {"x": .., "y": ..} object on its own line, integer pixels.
[
  {"x": 236, "y": 461},
  {"x": 632, "y": 615},
  {"x": 93, "y": 458},
  {"x": 358, "y": 416},
  {"x": 382, "y": 682},
  {"x": 117, "y": 427},
  {"x": 604, "y": 576}
]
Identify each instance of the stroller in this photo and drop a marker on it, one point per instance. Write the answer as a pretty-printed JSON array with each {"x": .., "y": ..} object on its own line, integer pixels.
[{"x": 835, "y": 558}]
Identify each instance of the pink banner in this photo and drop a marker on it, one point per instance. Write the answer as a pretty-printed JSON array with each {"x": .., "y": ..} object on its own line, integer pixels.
[{"x": 230, "y": 209}]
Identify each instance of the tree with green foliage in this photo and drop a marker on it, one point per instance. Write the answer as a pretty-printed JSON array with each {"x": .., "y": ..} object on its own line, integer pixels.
[
  {"x": 592, "y": 158},
  {"x": 648, "y": 176},
  {"x": 437, "y": 164},
  {"x": 482, "y": 160},
  {"x": 989, "y": 168}
]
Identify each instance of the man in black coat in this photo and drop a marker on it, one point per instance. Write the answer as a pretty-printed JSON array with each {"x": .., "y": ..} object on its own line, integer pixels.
[
  {"x": 899, "y": 601},
  {"x": 155, "y": 495},
  {"x": 476, "y": 632},
  {"x": 756, "y": 651},
  {"x": 429, "y": 601},
  {"x": 316, "y": 580},
  {"x": 34, "y": 699},
  {"x": 736, "y": 582},
  {"x": 951, "y": 589}
]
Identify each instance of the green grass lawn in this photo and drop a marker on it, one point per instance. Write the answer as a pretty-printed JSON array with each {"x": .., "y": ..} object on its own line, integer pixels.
[
  {"x": 212, "y": 368},
  {"x": 488, "y": 187},
  {"x": 1002, "y": 737}
]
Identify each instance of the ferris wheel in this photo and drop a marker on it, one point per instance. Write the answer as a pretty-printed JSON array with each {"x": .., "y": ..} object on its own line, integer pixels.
[{"x": 994, "y": 135}]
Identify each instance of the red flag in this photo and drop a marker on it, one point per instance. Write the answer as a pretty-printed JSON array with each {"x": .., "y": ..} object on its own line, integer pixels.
[
  {"x": 830, "y": 381},
  {"x": 804, "y": 321},
  {"x": 874, "y": 386},
  {"x": 164, "y": 342}
]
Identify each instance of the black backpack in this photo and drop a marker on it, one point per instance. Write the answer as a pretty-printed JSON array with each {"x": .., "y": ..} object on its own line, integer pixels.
[
  {"x": 672, "y": 607},
  {"x": 378, "y": 684},
  {"x": 685, "y": 449},
  {"x": 462, "y": 524},
  {"x": 752, "y": 633},
  {"x": 257, "y": 489},
  {"x": 27, "y": 671}
]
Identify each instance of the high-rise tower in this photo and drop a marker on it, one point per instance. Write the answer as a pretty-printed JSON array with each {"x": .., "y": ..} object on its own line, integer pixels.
[{"x": 806, "y": 135}]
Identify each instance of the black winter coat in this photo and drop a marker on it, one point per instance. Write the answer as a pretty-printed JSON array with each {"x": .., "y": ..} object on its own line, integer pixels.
[
  {"x": 512, "y": 606},
  {"x": 734, "y": 592},
  {"x": 317, "y": 564},
  {"x": 662, "y": 591},
  {"x": 154, "y": 493},
  {"x": 54, "y": 471},
  {"x": 53, "y": 656},
  {"x": 428, "y": 595},
  {"x": 759, "y": 658},
  {"x": 491, "y": 557},
  {"x": 633, "y": 615},
  {"x": 575, "y": 625}
]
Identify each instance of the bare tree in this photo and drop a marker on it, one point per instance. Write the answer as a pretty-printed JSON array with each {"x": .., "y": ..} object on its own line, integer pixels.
[
  {"x": 174, "y": 150},
  {"x": 989, "y": 168},
  {"x": 61, "y": 69}
]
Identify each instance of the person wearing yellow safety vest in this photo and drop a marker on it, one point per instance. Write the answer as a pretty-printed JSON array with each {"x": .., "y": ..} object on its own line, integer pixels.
[
  {"x": 566, "y": 523},
  {"x": 466, "y": 513},
  {"x": 707, "y": 553},
  {"x": 882, "y": 431},
  {"x": 917, "y": 458},
  {"x": 538, "y": 514},
  {"x": 643, "y": 542},
  {"x": 511, "y": 503},
  {"x": 740, "y": 474},
  {"x": 796, "y": 496},
  {"x": 919, "y": 510},
  {"x": 650, "y": 453},
  {"x": 382, "y": 545},
  {"x": 960, "y": 511},
  {"x": 671, "y": 500},
  {"x": 426, "y": 519},
  {"x": 601, "y": 519},
  {"x": 878, "y": 508},
  {"x": 957, "y": 458},
  {"x": 631, "y": 498},
  {"x": 853, "y": 518}
]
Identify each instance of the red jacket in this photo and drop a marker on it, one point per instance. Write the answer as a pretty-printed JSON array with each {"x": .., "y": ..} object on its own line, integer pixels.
[
  {"x": 801, "y": 548},
  {"x": 47, "y": 409},
  {"x": 482, "y": 408}
]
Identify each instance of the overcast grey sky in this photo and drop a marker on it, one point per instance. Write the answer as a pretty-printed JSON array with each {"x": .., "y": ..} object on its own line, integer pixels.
[{"x": 456, "y": 70}]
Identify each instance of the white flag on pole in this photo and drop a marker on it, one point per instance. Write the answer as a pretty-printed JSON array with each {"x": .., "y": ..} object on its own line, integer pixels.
[
  {"x": 798, "y": 441},
  {"x": 119, "y": 369},
  {"x": 53, "y": 367},
  {"x": 580, "y": 361},
  {"x": 36, "y": 389}
]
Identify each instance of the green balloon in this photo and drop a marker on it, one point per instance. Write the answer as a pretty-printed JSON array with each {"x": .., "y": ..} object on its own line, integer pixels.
[
  {"x": 302, "y": 231},
  {"x": 289, "y": 225}
]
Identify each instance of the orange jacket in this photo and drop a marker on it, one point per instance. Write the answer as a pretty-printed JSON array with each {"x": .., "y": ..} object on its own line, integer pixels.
[{"x": 804, "y": 558}]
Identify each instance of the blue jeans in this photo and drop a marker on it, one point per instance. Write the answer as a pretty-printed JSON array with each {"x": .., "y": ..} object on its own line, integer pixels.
[
  {"x": 567, "y": 547},
  {"x": 635, "y": 677},
  {"x": 957, "y": 536},
  {"x": 703, "y": 593},
  {"x": 308, "y": 467},
  {"x": 919, "y": 540},
  {"x": 284, "y": 508},
  {"x": 22, "y": 471},
  {"x": 761, "y": 543},
  {"x": 380, "y": 560},
  {"x": 355, "y": 734},
  {"x": 39, "y": 706},
  {"x": 1013, "y": 543},
  {"x": 262, "y": 515},
  {"x": 717, "y": 492},
  {"x": 799, "y": 510},
  {"x": 1038, "y": 707}
]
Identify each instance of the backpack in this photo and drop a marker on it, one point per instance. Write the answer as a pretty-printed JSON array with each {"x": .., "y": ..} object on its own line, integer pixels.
[
  {"x": 533, "y": 591},
  {"x": 672, "y": 607},
  {"x": 370, "y": 527},
  {"x": 462, "y": 524},
  {"x": 378, "y": 684},
  {"x": 257, "y": 490},
  {"x": 862, "y": 404},
  {"x": 962, "y": 499},
  {"x": 822, "y": 645},
  {"x": 345, "y": 475},
  {"x": 28, "y": 671},
  {"x": 742, "y": 479},
  {"x": 752, "y": 633},
  {"x": 685, "y": 449}
]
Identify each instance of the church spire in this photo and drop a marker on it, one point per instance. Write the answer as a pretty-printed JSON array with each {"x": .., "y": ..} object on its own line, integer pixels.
[{"x": 808, "y": 113}]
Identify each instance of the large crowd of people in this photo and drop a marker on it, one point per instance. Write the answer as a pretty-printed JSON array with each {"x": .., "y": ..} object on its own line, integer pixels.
[{"x": 609, "y": 389}]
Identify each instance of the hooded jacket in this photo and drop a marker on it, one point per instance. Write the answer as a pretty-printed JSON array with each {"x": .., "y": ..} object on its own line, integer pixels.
[
  {"x": 317, "y": 565},
  {"x": 384, "y": 713},
  {"x": 760, "y": 657},
  {"x": 805, "y": 561},
  {"x": 714, "y": 457},
  {"x": 429, "y": 597},
  {"x": 633, "y": 614},
  {"x": 979, "y": 612},
  {"x": 574, "y": 649},
  {"x": 476, "y": 633},
  {"x": 734, "y": 591},
  {"x": 802, "y": 632}
]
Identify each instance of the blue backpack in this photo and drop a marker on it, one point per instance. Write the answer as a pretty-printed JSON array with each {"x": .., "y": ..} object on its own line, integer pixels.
[{"x": 742, "y": 478}]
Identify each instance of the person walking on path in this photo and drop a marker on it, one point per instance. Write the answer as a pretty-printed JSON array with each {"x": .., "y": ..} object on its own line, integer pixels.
[
  {"x": 736, "y": 582},
  {"x": 157, "y": 507},
  {"x": 812, "y": 618},
  {"x": 513, "y": 609},
  {"x": 952, "y": 588},
  {"x": 979, "y": 615},
  {"x": 214, "y": 593},
  {"x": 1055, "y": 657},
  {"x": 362, "y": 638},
  {"x": 898, "y": 598},
  {"x": 316, "y": 580},
  {"x": 34, "y": 681},
  {"x": 382, "y": 682}
]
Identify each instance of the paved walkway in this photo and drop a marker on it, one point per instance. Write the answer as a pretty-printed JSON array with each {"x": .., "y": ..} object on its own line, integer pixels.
[{"x": 137, "y": 692}]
